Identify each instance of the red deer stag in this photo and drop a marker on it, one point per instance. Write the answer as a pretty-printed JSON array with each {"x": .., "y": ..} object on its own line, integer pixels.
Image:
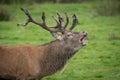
[{"x": 26, "y": 62}]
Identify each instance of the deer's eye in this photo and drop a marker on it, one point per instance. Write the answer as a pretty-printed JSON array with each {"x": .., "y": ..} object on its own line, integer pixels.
[{"x": 69, "y": 35}]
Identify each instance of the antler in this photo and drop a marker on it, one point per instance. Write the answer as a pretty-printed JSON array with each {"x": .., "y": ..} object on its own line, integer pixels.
[
  {"x": 75, "y": 22},
  {"x": 60, "y": 27}
]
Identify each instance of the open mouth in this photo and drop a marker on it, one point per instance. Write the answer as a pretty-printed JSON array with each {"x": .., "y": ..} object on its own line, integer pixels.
[{"x": 84, "y": 40}]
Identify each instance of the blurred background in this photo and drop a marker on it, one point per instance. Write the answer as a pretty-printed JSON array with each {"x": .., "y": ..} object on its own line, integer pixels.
[{"x": 99, "y": 60}]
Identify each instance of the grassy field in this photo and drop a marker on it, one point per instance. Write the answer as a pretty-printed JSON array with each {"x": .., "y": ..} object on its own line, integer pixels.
[{"x": 99, "y": 60}]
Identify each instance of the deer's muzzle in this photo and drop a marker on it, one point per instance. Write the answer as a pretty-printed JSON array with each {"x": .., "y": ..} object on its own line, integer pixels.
[{"x": 84, "y": 39}]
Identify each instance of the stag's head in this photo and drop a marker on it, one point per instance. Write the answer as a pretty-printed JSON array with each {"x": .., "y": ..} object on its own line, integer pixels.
[
  {"x": 60, "y": 31},
  {"x": 73, "y": 39}
]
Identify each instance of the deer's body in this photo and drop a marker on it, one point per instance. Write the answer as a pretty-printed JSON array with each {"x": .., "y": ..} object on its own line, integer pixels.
[{"x": 27, "y": 62}]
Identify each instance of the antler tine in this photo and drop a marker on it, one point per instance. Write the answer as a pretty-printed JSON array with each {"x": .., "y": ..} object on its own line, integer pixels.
[
  {"x": 29, "y": 19},
  {"x": 67, "y": 20},
  {"x": 75, "y": 21},
  {"x": 43, "y": 17},
  {"x": 60, "y": 18},
  {"x": 27, "y": 13},
  {"x": 56, "y": 20}
]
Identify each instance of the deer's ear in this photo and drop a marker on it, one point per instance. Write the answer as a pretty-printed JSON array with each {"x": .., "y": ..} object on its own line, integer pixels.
[{"x": 57, "y": 36}]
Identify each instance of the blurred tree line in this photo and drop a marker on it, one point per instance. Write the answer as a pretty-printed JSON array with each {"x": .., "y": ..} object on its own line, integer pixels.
[
  {"x": 43, "y": 1},
  {"x": 40, "y": 1}
]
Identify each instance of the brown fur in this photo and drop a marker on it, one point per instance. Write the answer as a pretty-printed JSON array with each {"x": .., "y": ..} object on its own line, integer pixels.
[{"x": 19, "y": 61}]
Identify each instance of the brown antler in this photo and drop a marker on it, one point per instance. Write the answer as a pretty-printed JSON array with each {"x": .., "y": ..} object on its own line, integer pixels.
[{"x": 60, "y": 27}]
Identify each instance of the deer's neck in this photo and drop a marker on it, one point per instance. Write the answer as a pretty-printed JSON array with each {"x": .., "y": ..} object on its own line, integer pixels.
[{"x": 55, "y": 56}]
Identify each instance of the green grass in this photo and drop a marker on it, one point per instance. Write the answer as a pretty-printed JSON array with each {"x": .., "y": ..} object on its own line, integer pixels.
[{"x": 99, "y": 60}]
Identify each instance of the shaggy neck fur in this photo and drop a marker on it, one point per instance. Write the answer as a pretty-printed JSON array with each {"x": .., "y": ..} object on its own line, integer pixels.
[{"x": 55, "y": 57}]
